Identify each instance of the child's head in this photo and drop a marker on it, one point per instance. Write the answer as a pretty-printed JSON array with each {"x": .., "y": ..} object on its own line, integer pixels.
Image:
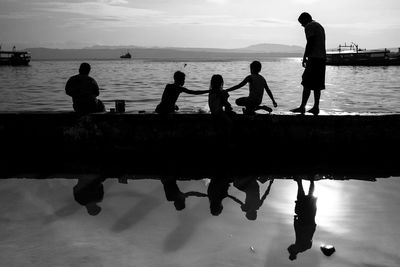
[
  {"x": 217, "y": 82},
  {"x": 179, "y": 77},
  {"x": 255, "y": 67}
]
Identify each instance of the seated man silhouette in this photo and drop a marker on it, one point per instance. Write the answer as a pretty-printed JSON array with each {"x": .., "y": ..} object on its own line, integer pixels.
[
  {"x": 173, "y": 193},
  {"x": 304, "y": 220},
  {"x": 88, "y": 192},
  {"x": 84, "y": 91}
]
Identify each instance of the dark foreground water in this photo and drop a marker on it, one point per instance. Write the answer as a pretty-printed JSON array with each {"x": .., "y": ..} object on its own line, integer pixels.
[{"x": 42, "y": 225}]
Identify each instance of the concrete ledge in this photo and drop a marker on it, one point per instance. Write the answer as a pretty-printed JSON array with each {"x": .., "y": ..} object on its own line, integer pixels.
[{"x": 42, "y": 144}]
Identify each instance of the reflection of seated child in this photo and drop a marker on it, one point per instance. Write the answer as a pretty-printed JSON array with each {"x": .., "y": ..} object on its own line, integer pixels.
[
  {"x": 173, "y": 193},
  {"x": 218, "y": 98},
  {"x": 172, "y": 92},
  {"x": 257, "y": 84},
  {"x": 217, "y": 191}
]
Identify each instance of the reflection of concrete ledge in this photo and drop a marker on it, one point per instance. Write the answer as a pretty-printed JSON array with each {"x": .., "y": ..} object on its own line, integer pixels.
[{"x": 42, "y": 144}]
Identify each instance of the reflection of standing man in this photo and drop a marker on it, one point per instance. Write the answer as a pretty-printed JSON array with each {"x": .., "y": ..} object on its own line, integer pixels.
[
  {"x": 304, "y": 220},
  {"x": 314, "y": 58}
]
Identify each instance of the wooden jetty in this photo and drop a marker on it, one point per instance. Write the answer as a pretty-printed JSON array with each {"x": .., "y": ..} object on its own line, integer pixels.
[{"x": 47, "y": 145}]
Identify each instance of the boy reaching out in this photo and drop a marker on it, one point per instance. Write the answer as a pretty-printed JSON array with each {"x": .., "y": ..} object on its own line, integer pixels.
[
  {"x": 172, "y": 92},
  {"x": 257, "y": 84}
]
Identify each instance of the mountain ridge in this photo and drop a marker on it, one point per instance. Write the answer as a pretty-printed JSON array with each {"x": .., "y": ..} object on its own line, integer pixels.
[{"x": 258, "y": 51}]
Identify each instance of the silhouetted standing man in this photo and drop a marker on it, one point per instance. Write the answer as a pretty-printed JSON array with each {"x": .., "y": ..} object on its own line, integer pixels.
[
  {"x": 314, "y": 58},
  {"x": 84, "y": 89}
]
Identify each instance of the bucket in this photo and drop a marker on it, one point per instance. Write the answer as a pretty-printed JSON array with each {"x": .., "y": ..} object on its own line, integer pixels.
[{"x": 120, "y": 105}]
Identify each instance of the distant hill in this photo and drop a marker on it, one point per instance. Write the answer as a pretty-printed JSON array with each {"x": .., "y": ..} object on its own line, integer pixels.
[
  {"x": 254, "y": 52},
  {"x": 273, "y": 48}
]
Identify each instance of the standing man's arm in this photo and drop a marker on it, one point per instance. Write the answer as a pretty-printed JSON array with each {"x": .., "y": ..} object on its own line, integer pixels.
[{"x": 310, "y": 41}]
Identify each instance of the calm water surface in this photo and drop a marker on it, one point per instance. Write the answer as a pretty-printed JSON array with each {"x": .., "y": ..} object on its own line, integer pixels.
[
  {"x": 349, "y": 89},
  {"x": 42, "y": 225}
]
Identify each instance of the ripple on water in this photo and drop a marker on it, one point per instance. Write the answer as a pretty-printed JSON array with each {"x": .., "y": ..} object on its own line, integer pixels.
[{"x": 349, "y": 89}]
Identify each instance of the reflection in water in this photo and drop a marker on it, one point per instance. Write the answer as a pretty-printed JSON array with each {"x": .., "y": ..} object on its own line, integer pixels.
[
  {"x": 217, "y": 191},
  {"x": 89, "y": 192},
  {"x": 253, "y": 202},
  {"x": 173, "y": 193},
  {"x": 138, "y": 226},
  {"x": 304, "y": 220}
]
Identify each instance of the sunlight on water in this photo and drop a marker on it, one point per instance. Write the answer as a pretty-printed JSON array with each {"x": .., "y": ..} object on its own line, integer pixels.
[{"x": 331, "y": 205}]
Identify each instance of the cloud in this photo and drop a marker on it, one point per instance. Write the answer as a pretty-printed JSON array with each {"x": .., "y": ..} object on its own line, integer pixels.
[
  {"x": 120, "y": 13},
  {"x": 306, "y": 2},
  {"x": 224, "y": 20},
  {"x": 102, "y": 8},
  {"x": 220, "y": 2}
]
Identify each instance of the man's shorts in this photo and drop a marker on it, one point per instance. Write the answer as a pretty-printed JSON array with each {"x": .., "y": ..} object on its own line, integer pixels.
[{"x": 314, "y": 75}]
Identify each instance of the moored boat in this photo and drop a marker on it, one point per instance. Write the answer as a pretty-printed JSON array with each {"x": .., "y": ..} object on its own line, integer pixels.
[
  {"x": 14, "y": 57},
  {"x": 352, "y": 55}
]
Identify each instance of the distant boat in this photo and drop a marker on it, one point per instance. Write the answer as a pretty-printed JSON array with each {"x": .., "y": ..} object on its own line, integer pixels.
[
  {"x": 351, "y": 55},
  {"x": 14, "y": 57},
  {"x": 127, "y": 55}
]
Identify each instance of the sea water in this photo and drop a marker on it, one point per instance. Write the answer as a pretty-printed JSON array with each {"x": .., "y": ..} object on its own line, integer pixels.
[
  {"x": 42, "y": 225},
  {"x": 40, "y": 86}
]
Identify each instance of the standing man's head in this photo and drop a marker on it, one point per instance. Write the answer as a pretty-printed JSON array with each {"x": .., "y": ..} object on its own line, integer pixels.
[
  {"x": 255, "y": 67},
  {"x": 84, "y": 68},
  {"x": 304, "y": 19},
  {"x": 179, "y": 78}
]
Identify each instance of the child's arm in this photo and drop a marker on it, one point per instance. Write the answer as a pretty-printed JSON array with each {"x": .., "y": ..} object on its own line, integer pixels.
[
  {"x": 240, "y": 85},
  {"x": 192, "y": 92},
  {"x": 270, "y": 95}
]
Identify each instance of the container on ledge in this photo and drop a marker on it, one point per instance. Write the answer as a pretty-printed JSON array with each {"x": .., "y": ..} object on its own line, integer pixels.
[{"x": 120, "y": 106}]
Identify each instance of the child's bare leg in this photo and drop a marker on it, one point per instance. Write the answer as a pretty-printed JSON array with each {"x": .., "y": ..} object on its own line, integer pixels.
[{"x": 264, "y": 107}]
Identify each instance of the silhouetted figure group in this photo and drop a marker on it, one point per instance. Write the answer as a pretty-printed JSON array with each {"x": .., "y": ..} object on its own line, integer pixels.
[
  {"x": 217, "y": 191},
  {"x": 83, "y": 89},
  {"x": 218, "y": 98}
]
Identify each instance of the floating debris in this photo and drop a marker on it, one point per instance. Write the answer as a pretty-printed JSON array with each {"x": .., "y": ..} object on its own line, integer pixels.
[{"x": 328, "y": 250}]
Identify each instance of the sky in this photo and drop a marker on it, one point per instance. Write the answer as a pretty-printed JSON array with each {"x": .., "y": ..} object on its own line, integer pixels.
[{"x": 194, "y": 23}]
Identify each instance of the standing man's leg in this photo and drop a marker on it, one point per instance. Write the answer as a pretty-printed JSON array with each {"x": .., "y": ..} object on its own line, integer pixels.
[
  {"x": 315, "y": 109},
  {"x": 304, "y": 99}
]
